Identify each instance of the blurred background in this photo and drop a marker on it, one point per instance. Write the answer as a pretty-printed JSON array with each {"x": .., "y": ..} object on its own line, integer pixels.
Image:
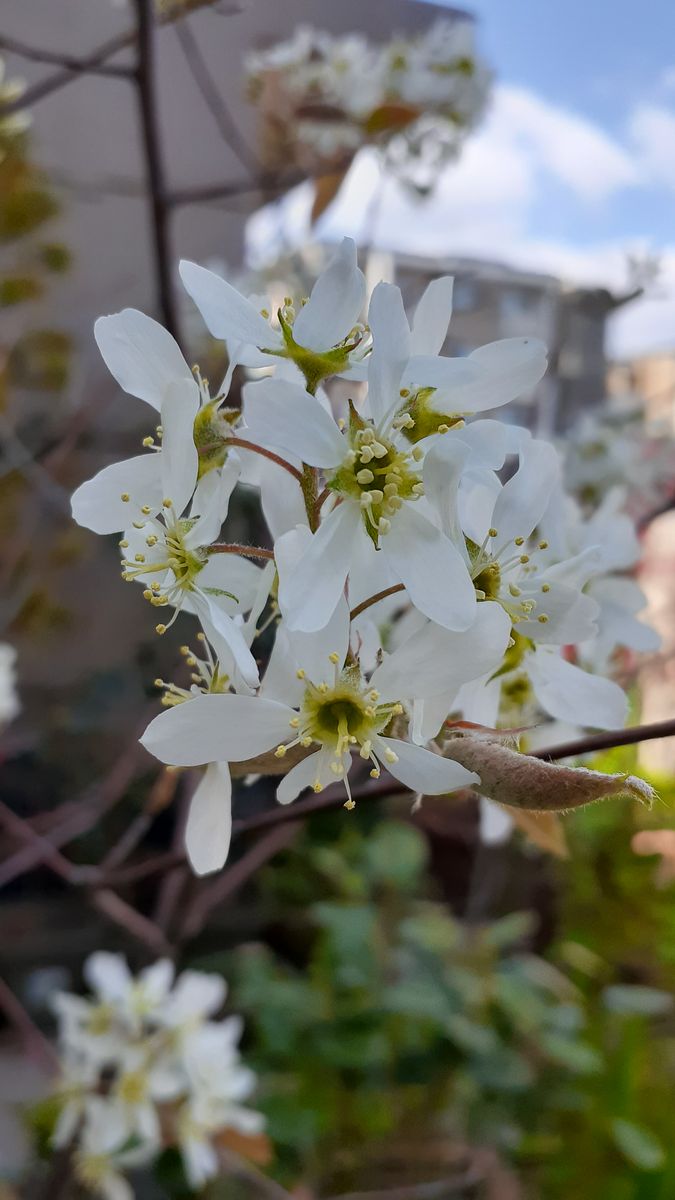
[{"x": 426, "y": 1010}]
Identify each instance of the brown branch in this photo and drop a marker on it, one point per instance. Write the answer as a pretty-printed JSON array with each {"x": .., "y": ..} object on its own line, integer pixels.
[
  {"x": 144, "y": 76},
  {"x": 242, "y": 444},
  {"x": 607, "y": 741},
  {"x": 94, "y": 65},
  {"x": 34, "y": 1040},
  {"x": 139, "y": 927},
  {"x": 79, "y": 817},
  {"x": 235, "y": 877},
  {"x": 390, "y": 591},
  {"x": 237, "y": 548},
  {"x": 213, "y": 99}
]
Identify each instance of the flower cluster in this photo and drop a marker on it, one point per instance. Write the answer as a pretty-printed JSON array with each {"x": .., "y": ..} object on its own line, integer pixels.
[
  {"x": 423, "y": 568},
  {"x": 143, "y": 1067},
  {"x": 322, "y": 97}
]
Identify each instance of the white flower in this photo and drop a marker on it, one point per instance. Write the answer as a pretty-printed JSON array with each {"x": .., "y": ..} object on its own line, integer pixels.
[
  {"x": 169, "y": 555},
  {"x": 147, "y": 362},
  {"x": 101, "y": 1156},
  {"x": 322, "y": 338},
  {"x": 315, "y": 696},
  {"x": 218, "y": 1082},
  {"x": 96, "y": 1029}
]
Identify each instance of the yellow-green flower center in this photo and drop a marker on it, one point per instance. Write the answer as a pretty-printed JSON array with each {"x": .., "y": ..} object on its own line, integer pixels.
[
  {"x": 379, "y": 475},
  {"x": 340, "y": 718}
]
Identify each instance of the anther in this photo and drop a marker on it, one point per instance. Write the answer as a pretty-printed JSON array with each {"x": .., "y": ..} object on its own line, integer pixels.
[
  {"x": 146, "y": 510},
  {"x": 365, "y": 476},
  {"x": 349, "y": 804},
  {"x": 166, "y": 503},
  {"x": 280, "y": 752},
  {"x": 148, "y": 441},
  {"x": 334, "y": 658},
  {"x": 545, "y": 587},
  {"x": 542, "y": 619},
  {"x": 294, "y": 722},
  {"x": 492, "y": 533},
  {"x": 300, "y": 674},
  {"x": 125, "y": 497},
  {"x": 390, "y": 756},
  {"x": 524, "y": 558},
  {"x": 124, "y": 544},
  {"x": 543, "y": 545},
  {"x": 160, "y": 629}
]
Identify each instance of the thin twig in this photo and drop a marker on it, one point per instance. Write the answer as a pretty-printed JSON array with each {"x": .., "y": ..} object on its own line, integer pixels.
[
  {"x": 213, "y": 99},
  {"x": 86, "y": 66},
  {"x": 141, "y": 928},
  {"x": 34, "y": 1040},
  {"x": 242, "y": 444},
  {"x": 607, "y": 741},
  {"x": 79, "y": 66},
  {"x": 238, "y": 548},
  {"x": 390, "y": 591},
  {"x": 235, "y": 877},
  {"x": 159, "y": 210}
]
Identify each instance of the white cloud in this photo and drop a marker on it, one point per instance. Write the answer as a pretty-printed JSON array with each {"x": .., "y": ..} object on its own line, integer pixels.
[
  {"x": 483, "y": 205},
  {"x": 573, "y": 149},
  {"x": 652, "y": 129}
]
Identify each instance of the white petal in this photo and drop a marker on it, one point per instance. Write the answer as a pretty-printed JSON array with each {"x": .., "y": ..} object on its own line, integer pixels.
[
  {"x": 424, "y": 772},
  {"x": 108, "y": 975},
  {"x": 443, "y": 467},
  {"x": 97, "y": 504},
  {"x": 523, "y": 499},
  {"x": 496, "y": 825},
  {"x": 209, "y": 824},
  {"x": 283, "y": 416},
  {"x": 310, "y": 651},
  {"x": 432, "y": 316},
  {"x": 221, "y": 630},
  {"x": 432, "y": 569},
  {"x": 570, "y": 694},
  {"x": 217, "y": 728},
  {"x": 435, "y": 661},
  {"x": 512, "y": 366},
  {"x": 157, "y": 979},
  {"x": 301, "y": 776},
  {"x": 209, "y": 523},
  {"x": 227, "y": 314},
  {"x": 141, "y": 354},
  {"x": 309, "y": 597},
  {"x": 335, "y": 304},
  {"x": 232, "y": 573},
  {"x": 179, "y": 458},
  {"x": 488, "y": 441},
  {"x": 391, "y": 349}
]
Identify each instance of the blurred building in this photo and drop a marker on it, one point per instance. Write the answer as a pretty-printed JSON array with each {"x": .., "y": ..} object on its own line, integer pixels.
[
  {"x": 652, "y": 378},
  {"x": 492, "y": 300}
]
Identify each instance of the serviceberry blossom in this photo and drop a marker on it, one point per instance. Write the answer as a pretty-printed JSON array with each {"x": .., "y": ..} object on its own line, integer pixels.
[
  {"x": 422, "y": 567},
  {"x": 145, "y": 1066},
  {"x": 321, "y": 336},
  {"x": 322, "y": 97}
]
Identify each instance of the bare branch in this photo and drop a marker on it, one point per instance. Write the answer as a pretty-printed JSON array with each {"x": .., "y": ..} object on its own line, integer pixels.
[
  {"x": 213, "y": 99},
  {"x": 34, "y": 1040},
  {"x": 94, "y": 65},
  {"x": 150, "y": 130},
  {"x": 139, "y": 927}
]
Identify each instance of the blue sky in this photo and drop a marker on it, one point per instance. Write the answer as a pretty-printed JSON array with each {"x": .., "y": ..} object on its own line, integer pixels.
[{"x": 610, "y": 64}]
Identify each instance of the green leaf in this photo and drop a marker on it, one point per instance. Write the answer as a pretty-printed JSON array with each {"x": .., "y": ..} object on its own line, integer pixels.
[
  {"x": 633, "y": 1000},
  {"x": 396, "y": 855},
  {"x": 638, "y": 1145}
]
